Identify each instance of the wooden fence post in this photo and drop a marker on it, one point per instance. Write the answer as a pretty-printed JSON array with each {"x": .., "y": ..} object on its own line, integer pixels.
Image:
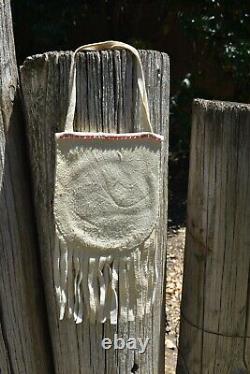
[
  {"x": 24, "y": 338},
  {"x": 215, "y": 314},
  {"x": 106, "y": 94}
]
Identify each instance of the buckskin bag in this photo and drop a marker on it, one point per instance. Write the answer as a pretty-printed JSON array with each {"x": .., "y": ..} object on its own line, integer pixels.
[{"x": 107, "y": 211}]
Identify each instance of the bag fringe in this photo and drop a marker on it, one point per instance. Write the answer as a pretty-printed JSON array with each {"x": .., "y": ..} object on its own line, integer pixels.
[{"x": 88, "y": 287}]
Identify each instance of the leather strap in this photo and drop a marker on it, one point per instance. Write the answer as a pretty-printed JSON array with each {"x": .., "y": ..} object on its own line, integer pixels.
[{"x": 140, "y": 81}]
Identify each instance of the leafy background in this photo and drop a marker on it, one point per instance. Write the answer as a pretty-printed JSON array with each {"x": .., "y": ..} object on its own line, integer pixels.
[{"x": 208, "y": 43}]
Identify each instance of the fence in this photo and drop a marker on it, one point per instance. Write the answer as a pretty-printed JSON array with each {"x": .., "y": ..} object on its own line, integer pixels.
[{"x": 214, "y": 334}]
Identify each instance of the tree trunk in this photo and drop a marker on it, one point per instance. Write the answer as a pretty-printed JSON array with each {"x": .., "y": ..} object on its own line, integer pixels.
[
  {"x": 107, "y": 95},
  {"x": 215, "y": 330},
  {"x": 24, "y": 340}
]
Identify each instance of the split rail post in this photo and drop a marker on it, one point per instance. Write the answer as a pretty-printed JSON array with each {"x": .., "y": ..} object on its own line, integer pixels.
[
  {"x": 215, "y": 314},
  {"x": 24, "y": 337},
  {"x": 106, "y": 94}
]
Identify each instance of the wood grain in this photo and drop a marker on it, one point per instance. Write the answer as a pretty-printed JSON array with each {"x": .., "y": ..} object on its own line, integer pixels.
[
  {"x": 24, "y": 338},
  {"x": 107, "y": 100},
  {"x": 214, "y": 335}
]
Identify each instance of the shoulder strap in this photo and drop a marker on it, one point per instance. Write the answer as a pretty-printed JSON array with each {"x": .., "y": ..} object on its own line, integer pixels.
[{"x": 140, "y": 81}]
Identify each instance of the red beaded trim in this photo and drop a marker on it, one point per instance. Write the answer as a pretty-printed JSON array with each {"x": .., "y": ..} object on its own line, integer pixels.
[{"x": 107, "y": 136}]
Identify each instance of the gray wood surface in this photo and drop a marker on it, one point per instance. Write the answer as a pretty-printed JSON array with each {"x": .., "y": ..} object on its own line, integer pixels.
[
  {"x": 107, "y": 100},
  {"x": 215, "y": 330},
  {"x": 24, "y": 342}
]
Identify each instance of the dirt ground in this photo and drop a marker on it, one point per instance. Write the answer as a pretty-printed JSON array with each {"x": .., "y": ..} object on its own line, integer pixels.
[{"x": 176, "y": 239}]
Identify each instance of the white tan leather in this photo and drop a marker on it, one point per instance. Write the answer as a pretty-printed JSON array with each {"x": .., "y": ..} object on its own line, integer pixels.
[{"x": 106, "y": 210}]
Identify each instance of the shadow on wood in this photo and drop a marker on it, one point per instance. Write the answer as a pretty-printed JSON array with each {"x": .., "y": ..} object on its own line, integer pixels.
[{"x": 24, "y": 338}]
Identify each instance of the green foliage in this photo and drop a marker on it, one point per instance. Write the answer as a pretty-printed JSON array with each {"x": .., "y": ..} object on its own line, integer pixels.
[
  {"x": 42, "y": 25},
  {"x": 222, "y": 28}
]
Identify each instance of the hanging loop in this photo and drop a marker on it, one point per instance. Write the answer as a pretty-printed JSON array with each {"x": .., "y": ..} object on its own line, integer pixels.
[{"x": 140, "y": 81}]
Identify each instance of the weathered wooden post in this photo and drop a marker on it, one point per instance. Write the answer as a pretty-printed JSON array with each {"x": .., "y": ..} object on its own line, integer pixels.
[
  {"x": 106, "y": 95},
  {"x": 215, "y": 330},
  {"x": 24, "y": 338}
]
